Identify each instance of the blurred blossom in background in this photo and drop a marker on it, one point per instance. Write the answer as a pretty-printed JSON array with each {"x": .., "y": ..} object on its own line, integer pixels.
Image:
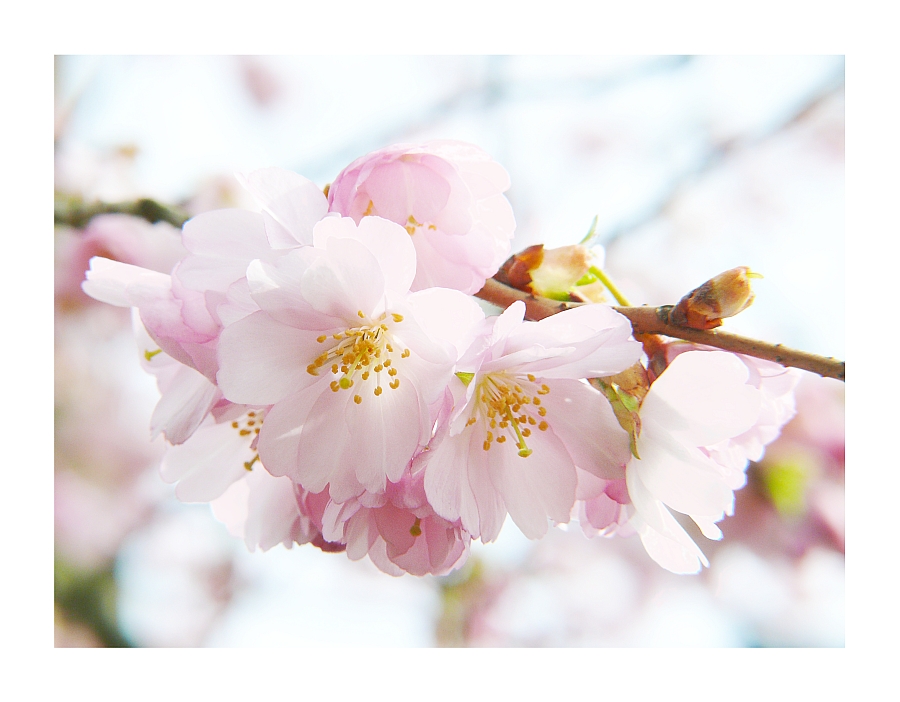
[{"x": 693, "y": 165}]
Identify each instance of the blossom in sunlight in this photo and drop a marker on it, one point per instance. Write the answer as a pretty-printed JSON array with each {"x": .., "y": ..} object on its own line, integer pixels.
[
  {"x": 705, "y": 416},
  {"x": 337, "y": 348},
  {"x": 524, "y": 420},
  {"x": 448, "y": 196}
]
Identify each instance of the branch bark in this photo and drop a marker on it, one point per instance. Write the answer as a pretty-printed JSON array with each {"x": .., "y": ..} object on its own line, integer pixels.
[
  {"x": 651, "y": 320},
  {"x": 75, "y": 212}
]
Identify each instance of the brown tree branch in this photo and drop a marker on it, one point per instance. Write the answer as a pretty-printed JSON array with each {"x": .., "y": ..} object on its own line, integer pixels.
[
  {"x": 651, "y": 320},
  {"x": 71, "y": 210}
]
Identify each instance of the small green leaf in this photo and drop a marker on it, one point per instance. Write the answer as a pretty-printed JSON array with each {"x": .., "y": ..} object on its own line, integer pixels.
[{"x": 466, "y": 378}]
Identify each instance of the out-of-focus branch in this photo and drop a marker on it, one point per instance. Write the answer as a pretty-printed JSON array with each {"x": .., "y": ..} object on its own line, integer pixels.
[
  {"x": 652, "y": 320},
  {"x": 71, "y": 210}
]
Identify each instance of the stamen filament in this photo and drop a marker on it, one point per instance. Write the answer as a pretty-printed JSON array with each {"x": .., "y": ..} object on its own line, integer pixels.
[{"x": 524, "y": 451}]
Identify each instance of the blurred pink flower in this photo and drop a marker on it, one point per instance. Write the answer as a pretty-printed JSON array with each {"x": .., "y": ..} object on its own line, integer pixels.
[
  {"x": 448, "y": 196},
  {"x": 118, "y": 237},
  {"x": 523, "y": 420}
]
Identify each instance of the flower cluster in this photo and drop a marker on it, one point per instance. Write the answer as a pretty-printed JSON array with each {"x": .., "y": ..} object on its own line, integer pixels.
[{"x": 326, "y": 378}]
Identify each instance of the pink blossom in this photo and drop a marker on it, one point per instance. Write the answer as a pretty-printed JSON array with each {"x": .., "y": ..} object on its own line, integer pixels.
[
  {"x": 448, "y": 196},
  {"x": 702, "y": 399},
  {"x": 337, "y": 349},
  {"x": 523, "y": 420},
  {"x": 398, "y": 530}
]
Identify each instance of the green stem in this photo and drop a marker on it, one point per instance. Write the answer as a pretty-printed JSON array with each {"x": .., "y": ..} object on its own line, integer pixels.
[{"x": 603, "y": 278}]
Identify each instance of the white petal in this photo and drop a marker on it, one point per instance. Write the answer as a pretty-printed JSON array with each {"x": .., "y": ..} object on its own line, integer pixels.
[
  {"x": 272, "y": 512},
  {"x": 207, "y": 464},
  {"x": 672, "y": 548},
  {"x": 294, "y": 204},
  {"x": 691, "y": 486},
  {"x": 222, "y": 243},
  {"x": 538, "y": 487},
  {"x": 262, "y": 360},
  {"x": 709, "y": 390},
  {"x": 186, "y": 401},
  {"x": 280, "y": 434},
  {"x": 583, "y": 419},
  {"x": 124, "y": 285},
  {"x": 347, "y": 281},
  {"x": 384, "y": 432},
  {"x": 447, "y": 315}
]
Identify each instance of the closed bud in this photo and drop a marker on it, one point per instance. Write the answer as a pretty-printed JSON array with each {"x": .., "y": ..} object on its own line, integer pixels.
[
  {"x": 557, "y": 274},
  {"x": 723, "y": 296}
]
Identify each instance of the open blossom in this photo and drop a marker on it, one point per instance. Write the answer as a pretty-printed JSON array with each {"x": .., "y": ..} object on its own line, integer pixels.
[
  {"x": 700, "y": 403},
  {"x": 337, "y": 351},
  {"x": 524, "y": 420},
  {"x": 184, "y": 312},
  {"x": 448, "y": 196}
]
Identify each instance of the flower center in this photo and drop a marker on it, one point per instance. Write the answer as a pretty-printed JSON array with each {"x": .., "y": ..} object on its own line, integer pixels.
[
  {"x": 510, "y": 406},
  {"x": 412, "y": 226},
  {"x": 249, "y": 426},
  {"x": 362, "y": 352}
]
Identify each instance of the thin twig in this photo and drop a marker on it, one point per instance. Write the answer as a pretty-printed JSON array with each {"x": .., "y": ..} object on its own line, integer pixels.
[
  {"x": 75, "y": 212},
  {"x": 651, "y": 320}
]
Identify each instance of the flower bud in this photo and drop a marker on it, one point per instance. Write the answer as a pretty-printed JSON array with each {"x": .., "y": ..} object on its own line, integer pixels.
[
  {"x": 448, "y": 195},
  {"x": 557, "y": 274},
  {"x": 722, "y": 296}
]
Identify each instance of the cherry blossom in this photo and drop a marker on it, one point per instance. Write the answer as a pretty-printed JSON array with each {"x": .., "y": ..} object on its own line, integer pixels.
[
  {"x": 523, "y": 420},
  {"x": 448, "y": 196},
  {"x": 337, "y": 350},
  {"x": 701, "y": 400},
  {"x": 398, "y": 530}
]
